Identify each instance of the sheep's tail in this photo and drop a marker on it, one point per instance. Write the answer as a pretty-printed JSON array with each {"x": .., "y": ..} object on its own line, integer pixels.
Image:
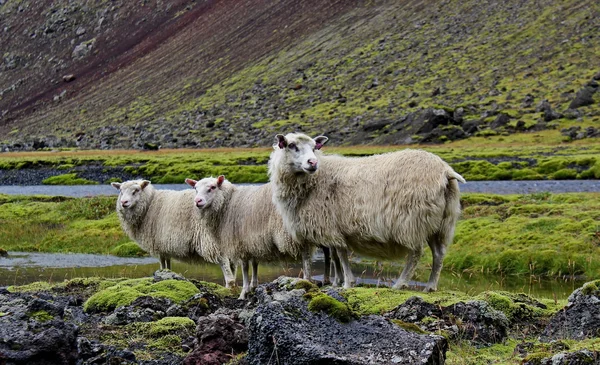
[{"x": 456, "y": 176}]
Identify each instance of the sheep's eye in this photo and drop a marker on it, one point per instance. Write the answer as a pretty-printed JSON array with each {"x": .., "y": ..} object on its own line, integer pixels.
[
  {"x": 135, "y": 191},
  {"x": 292, "y": 146}
]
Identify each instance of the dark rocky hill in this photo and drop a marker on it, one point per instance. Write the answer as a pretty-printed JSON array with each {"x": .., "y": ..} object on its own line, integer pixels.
[{"x": 209, "y": 73}]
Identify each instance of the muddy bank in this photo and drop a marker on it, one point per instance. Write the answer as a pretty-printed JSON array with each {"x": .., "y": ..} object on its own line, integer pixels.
[{"x": 167, "y": 319}]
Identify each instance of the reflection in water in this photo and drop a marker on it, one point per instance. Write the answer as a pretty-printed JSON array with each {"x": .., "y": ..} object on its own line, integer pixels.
[{"x": 26, "y": 268}]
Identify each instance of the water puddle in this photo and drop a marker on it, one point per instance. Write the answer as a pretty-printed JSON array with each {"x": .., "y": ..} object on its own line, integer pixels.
[{"x": 24, "y": 267}]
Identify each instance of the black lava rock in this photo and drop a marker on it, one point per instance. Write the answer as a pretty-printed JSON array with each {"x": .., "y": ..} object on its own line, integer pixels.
[{"x": 580, "y": 319}]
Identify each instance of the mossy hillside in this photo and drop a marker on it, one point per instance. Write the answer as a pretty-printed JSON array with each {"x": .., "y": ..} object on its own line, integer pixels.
[
  {"x": 367, "y": 79},
  {"x": 59, "y": 224},
  {"x": 127, "y": 291},
  {"x": 537, "y": 234}
]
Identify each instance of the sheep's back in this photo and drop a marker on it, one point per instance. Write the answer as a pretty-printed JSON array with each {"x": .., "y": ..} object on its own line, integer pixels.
[{"x": 380, "y": 204}]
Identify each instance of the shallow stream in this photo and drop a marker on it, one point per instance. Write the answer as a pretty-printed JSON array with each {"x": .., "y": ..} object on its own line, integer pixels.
[{"x": 23, "y": 267}]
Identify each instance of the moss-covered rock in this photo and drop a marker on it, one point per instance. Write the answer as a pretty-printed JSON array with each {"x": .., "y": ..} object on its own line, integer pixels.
[
  {"x": 336, "y": 309},
  {"x": 125, "y": 292}
]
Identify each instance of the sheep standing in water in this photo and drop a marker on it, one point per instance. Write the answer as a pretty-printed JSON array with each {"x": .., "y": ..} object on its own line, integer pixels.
[
  {"x": 246, "y": 226},
  {"x": 166, "y": 223},
  {"x": 384, "y": 206}
]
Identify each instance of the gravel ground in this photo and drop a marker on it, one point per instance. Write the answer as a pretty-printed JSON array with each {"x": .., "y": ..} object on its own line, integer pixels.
[{"x": 497, "y": 187}]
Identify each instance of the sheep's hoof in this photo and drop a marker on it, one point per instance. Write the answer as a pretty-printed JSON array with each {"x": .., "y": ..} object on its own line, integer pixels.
[{"x": 429, "y": 289}]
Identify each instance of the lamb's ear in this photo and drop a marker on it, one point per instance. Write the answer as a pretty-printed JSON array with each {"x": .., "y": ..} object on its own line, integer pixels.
[
  {"x": 116, "y": 185},
  {"x": 320, "y": 141},
  {"x": 144, "y": 184},
  {"x": 281, "y": 141},
  {"x": 220, "y": 180},
  {"x": 191, "y": 182}
]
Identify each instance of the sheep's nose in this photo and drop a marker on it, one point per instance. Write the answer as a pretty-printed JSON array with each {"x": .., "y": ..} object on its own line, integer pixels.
[
  {"x": 313, "y": 163},
  {"x": 200, "y": 202},
  {"x": 125, "y": 203}
]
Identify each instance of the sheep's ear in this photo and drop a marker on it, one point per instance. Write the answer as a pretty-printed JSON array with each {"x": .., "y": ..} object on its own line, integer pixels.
[
  {"x": 144, "y": 184},
  {"x": 220, "y": 180},
  {"x": 116, "y": 185},
  {"x": 320, "y": 141},
  {"x": 191, "y": 182},
  {"x": 281, "y": 141}
]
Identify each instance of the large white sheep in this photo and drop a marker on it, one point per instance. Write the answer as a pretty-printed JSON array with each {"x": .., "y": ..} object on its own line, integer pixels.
[
  {"x": 166, "y": 223},
  {"x": 244, "y": 222},
  {"x": 383, "y": 206}
]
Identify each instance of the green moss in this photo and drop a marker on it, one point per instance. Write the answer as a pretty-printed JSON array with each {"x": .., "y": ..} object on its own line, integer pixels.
[
  {"x": 3, "y": 314},
  {"x": 170, "y": 325},
  {"x": 165, "y": 343},
  {"x": 129, "y": 249},
  {"x": 565, "y": 174},
  {"x": 67, "y": 179},
  {"x": 41, "y": 316},
  {"x": 324, "y": 303},
  {"x": 218, "y": 290},
  {"x": 33, "y": 287},
  {"x": 590, "y": 288},
  {"x": 306, "y": 285},
  {"x": 127, "y": 291},
  {"x": 411, "y": 327}
]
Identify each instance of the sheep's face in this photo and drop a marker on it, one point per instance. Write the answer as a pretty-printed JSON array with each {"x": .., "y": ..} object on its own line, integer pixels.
[
  {"x": 206, "y": 190},
  {"x": 130, "y": 192},
  {"x": 299, "y": 151}
]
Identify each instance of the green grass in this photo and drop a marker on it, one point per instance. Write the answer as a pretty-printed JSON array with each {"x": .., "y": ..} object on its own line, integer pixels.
[
  {"x": 541, "y": 234},
  {"x": 515, "y": 157}
]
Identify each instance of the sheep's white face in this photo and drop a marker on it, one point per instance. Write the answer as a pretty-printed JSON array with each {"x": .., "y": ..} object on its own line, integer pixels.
[
  {"x": 206, "y": 190},
  {"x": 300, "y": 150},
  {"x": 130, "y": 192}
]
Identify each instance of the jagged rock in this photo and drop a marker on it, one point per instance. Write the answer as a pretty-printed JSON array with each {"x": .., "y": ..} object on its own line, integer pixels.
[
  {"x": 528, "y": 101},
  {"x": 548, "y": 114},
  {"x": 584, "y": 97},
  {"x": 30, "y": 334},
  {"x": 218, "y": 336},
  {"x": 500, "y": 121},
  {"x": 479, "y": 322},
  {"x": 474, "y": 321},
  {"x": 430, "y": 119},
  {"x": 83, "y": 49},
  {"x": 471, "y": 127},
  {"x": 582, "y": 357},
  {"x": 295, "y": 335},
  {"x": 142, "y": 309},
  {"x": 166, "y": 274},
  {"x": 69, "y": 78},
  {"x": 580, "y": 319},
  {"x": 414, "y": 310}
]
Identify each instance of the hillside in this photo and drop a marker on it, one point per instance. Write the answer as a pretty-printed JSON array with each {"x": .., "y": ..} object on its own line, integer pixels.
[{"x": 143, "y": 74}]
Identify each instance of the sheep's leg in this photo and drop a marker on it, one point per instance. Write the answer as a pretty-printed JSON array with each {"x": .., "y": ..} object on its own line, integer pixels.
[
  {"x": 245, "y": 280},
  {"x": 337, "y": 268},
  {"x": 327, "y": 259},
  {"x": 254, "y": 282},
  {"x": 438, "y": 245},
  {"x": 349, "y": 279},
  {"x": 306, "y": 264},
  {"x": 409, "y": 269},
  {"x": 227, "y": 273},
  {"x": 165, "y": 262}
]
